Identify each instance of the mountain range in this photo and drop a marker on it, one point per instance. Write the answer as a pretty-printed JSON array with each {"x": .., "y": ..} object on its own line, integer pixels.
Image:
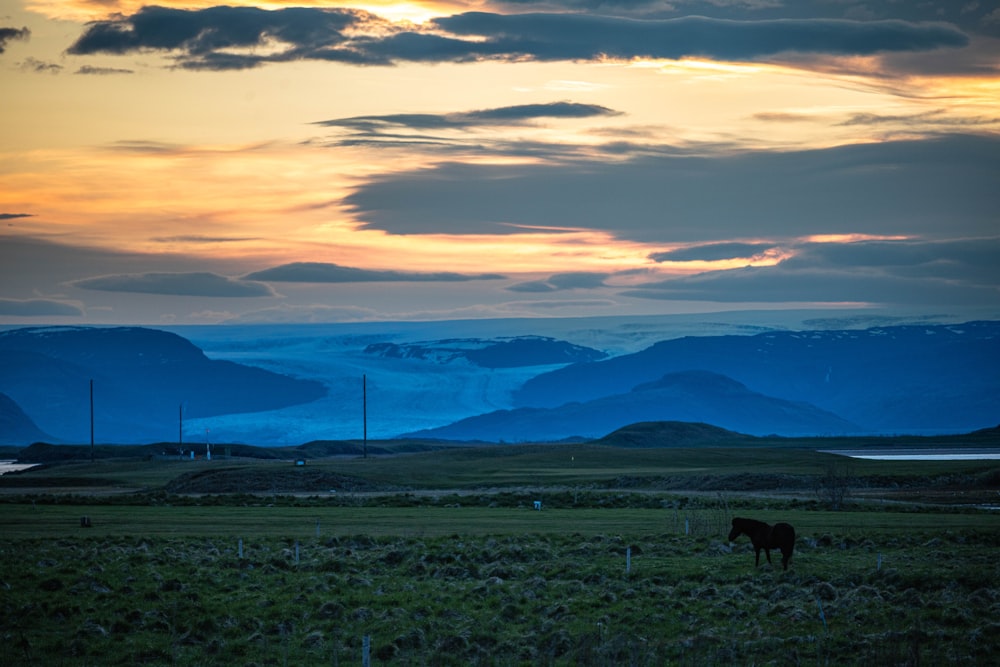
[
  {"x": 901, "y": 379},
  {"x": 502, "y": 380},
  {"x": 145, "y": 382},
  {"x": 686, "y": 396}
]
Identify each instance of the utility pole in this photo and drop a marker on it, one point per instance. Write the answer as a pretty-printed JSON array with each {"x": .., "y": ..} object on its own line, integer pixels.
[
  {"x": 364, "y": 410},
  {"x": 91, "y": 420}
]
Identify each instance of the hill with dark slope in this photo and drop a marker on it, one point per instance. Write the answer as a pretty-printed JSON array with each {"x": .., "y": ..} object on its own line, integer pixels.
[
  {"x": 674, "y": 434},
  {"x": 691, "y": 396},
  {"x": 16, "y": 427},
  {"x": 141, "y": 378},
  {"x": 904, "y": 379}
]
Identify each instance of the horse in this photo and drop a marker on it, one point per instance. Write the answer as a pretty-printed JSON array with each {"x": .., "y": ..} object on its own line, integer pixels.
[{"x": 766, "y": 537}]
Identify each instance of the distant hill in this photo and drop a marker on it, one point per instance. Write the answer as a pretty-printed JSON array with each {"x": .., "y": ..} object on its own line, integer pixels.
[
  {"x": 692, "y": 396},
  {"x": 900, "y": 379},
  {"x": 16, "y": 427},
  {"x": 141, "y": 378},
  {"x": 515, "y": 352},
  {"x": 674, "y": 434}
]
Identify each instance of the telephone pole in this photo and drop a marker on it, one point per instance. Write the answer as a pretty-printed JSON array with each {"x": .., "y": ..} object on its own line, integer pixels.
[
  {"x": 91, "y": 420},
  {"x": 364, "y": 411}
]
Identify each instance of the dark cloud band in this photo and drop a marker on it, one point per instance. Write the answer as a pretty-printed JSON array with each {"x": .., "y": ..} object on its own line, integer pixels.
[
  {"x": 212, "y": 38},
  {"x": 890, "y": 188},
  {"x": 581, "y": 36}
]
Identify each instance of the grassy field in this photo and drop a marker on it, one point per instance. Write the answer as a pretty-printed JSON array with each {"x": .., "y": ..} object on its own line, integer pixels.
[
  {"x": 458, "y": 586},
  {"x": 627, "y": 562},
  {"x": 498, "y": 466}
]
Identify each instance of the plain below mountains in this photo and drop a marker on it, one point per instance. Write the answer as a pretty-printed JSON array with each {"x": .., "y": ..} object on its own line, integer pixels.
[
  {"x": 144, "y": 382},
  {"x": 689, "y": 396}
]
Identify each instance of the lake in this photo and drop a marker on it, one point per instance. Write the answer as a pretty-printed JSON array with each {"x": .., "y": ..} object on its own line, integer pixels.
[
  {"x": 919, "y": 454},
  {"x": 13, "y": 466}
]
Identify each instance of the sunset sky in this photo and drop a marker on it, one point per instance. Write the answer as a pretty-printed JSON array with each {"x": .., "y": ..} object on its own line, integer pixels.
[{"x": 299, "y": 161}]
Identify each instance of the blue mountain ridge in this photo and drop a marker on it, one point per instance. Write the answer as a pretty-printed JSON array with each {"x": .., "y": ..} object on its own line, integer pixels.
[
  {"x": 141, "y": 379},
  {"x": 689, "y": 396},
  {"x": 303, "y": 383},
  {"x": 16, "y": 427},
  {"x": 897, "y": 379}
]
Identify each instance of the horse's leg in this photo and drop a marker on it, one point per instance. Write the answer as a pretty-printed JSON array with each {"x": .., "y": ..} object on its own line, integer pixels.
[
  {"x": 767, "y": 552},
  {"x": 757, "y": 551}
]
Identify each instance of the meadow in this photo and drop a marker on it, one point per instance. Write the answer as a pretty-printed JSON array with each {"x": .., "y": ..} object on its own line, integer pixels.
[{"x": 466, "y": 573}]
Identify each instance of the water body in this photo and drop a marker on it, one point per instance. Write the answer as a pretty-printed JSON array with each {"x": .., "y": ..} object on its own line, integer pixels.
[
  {"x": 13, "y": 466},
  {"x": 920, "y": 454}
]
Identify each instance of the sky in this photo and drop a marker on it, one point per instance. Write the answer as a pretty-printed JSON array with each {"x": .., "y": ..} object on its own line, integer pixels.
[{"x": 311, "y": 161}]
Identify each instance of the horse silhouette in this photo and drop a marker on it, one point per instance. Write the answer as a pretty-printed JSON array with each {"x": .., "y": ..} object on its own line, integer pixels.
[{"x": 765, "y": 536}]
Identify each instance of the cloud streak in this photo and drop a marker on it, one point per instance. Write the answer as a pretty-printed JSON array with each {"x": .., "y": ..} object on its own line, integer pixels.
[
  {"x": 462, "y": 131},
  {"x": 954, "y": 272},
  {"x": 711, "y": 252},
  {"x": 500, "y": 116},
  {"x": 319, "y": 272},
  {"x": 38, "y": 308},
  {"x": 562, "y": 281},
  {"x": 103, "y": 71},
  {"x": 178, "y": 284}
]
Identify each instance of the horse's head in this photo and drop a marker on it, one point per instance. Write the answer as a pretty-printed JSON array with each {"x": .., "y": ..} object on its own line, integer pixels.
[{"x": 735, "y": 532}]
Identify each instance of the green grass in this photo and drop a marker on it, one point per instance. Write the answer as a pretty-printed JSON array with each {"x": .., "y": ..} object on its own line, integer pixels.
[
  {"x": 560, "y": 596},
  {"x": 462, "y": 571}
]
